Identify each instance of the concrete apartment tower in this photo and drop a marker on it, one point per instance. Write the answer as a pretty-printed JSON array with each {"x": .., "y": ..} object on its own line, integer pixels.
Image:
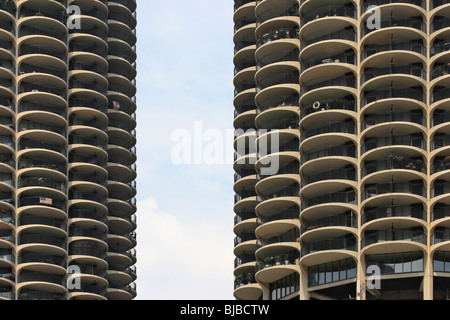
[
  {"x": 358, "y": 98},
  {"x": 67, "y": 149}
]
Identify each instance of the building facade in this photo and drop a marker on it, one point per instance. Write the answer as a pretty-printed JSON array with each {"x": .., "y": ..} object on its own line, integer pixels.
[
  {"x": 358, "y": 98},
  {"x": 67, "y": 149}
]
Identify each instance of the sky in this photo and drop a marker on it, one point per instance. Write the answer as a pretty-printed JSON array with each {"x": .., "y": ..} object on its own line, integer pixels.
[{"x": 185, "y": 93}]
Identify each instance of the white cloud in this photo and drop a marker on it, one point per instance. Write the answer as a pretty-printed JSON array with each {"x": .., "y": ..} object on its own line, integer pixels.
[
  {"x": 185, "y": 72},
  {"x": 182, "y": 260}
]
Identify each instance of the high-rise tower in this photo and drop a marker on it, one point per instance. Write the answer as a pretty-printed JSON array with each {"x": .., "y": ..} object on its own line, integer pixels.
[
  {"x": 67, "y": 110},
  {"x": 359, "y": 91}
]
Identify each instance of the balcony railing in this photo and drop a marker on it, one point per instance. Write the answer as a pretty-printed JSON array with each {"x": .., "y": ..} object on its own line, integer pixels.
[
  {"x": 328, "y": 104},
  {"x": 347, "y": 57},
  {"x": 345, "y": 126},
  {"x": 413, "y": 140},
  {"x": 26, "y": 238},
  {"x": 40, "y": 295},
  {"x": 346, "y": 80},
  {"x": 278, "y": 11},
  {"x": 330, "y": 174},
  {"x": 28, "y": 219},
  {"x": 42, "y": 201},
  {"x": 291, "y": 213},
  {"x": 329, "y": 11},
  {"x": 282, "y": 259},
  {"x": 409, "y": 187},
  {"x": 368, "y": 3},
  {"x": 377, "y": 236},
  {"x": 330, "y": 151},
  {"x": 389, "y": 69},
  {"x": 392, "y": 92},
  {"x": 339, "y": 243},
  {"x": 42, "y": 182},
  {"x": 393, "y": 163},
  {"x": 289, "y": 191},
  {"x": 278, "y": 34},
  {"x": 439, "y": 141},
  {"x": 439, "y": 23},
  {"x": 348, "y": 219},
  {"x": 273, "y": 57},
  {"x": 436, "y": 3},
  {"x": 28, "y": 276},
  {"x": 348, "y": 197},
  {"x": 278, "y": 102},
  {"x": 440, "y": 211},
  {"x": 440, "y": 187},
  {"x": 393, "y": 45},
  {"x": 409, "y": 22},
  {"x": 414, "y": 116},
  {"x": 348, "y": 33},
  {"x": 277, "y": 79},
  {"x": 409, "y": 211}
]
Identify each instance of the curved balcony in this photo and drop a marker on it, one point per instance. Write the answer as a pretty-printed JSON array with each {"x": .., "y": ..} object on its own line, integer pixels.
[
  {"x": 412, "y": 140},
  {"x": 347, "y": 126},
  {"x": 394, "y": 16},
  {"x": 344, "y": 196},
  {"x": 347, "y": 243},
  {"x": 347, "y": 150},
  {"x": 395, "y": 92},
  {"x": 90, "y": 289},
  {"x": 327, "y": 11},
  {"x": 379, "y": 70},
  {"x": 393, "y": 162},
  {"x": 384, "y": 116},
  {"x": 340, "y": 173},
  {"x": 26, "y": 201},
  {"x": 346, "y": 80},
  {"x": 343, "y": 33},
  {"x": 408, "y": 187},
  {"x": 277, "y": 34},
  {"x": 404, "y": 44},
  {"x": 347, "y": 219},
  {"x": 35, "y": 143},
  {"x": 29, "y": 294},
  {"x": 87, "y": 248},
  {"x": 30, "y": 217},
  {"x": 35, "y": 254},
  {"x": 56, "y": 239},
  {"x": 415, "y": 234},
  {"x": 415, "y": 211},
  {"x": 340, "y": 53}
]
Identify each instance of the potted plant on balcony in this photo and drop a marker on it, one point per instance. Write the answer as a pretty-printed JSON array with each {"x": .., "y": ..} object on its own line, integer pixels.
[
  {"x": 446, "y": 162},
  {"x": 278, "y": 260},
  {"x": 267, "y": 262},
  {"x": 286, "y": 259},
  {"x": 239, "y": 280},
  {"x": 250, "y": 278}
]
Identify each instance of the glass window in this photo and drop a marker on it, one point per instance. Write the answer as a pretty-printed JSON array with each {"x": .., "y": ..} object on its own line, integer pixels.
[
  {"x": 398, "y": 267},
  {"x": 407, "y": 267},
  {"x": 328, "y": 276},
  {"x": 446, "y": 263},
  {"x": 351, "y": 272},
  {"x": 322, "y": 274},
  {"x": 343, "y": 269},
  {"x": 313, "y": 276},
  {"x": 336, "y": 271},
  {"x": 438, "y": 263},
  {"x": 417, "y": 265}
]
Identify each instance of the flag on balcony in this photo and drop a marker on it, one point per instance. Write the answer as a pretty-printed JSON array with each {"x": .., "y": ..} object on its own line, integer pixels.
[
  {"x": 43, "y": 200},
  {"x": 116, "y": 105}
]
